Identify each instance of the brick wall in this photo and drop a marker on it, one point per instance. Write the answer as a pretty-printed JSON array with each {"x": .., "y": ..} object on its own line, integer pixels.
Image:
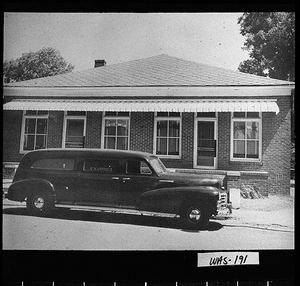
[
  {"x": 93, "y": 130},
  {"x": 141, "y": 131},
  {"x": 277, "y": 146},
  {"x": 55, "y": 129},
  {"x": 276, "y": 149},
  {"x": 12, "y": 124}
]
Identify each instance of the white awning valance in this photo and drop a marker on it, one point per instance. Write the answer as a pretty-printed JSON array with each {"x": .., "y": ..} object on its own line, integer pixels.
[{"x": 203, "y": 105}]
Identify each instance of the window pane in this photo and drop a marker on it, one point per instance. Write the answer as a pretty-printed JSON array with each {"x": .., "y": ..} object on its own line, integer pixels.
[
  {"x": 145, "y": 168},
  {"x": 173, "y": 128},
  {"x": 76, "y": 113},
  {"x": 239, "y": 130},
  {"x": 162, "y": 128},
  {"x": 31, "y": 112},
  {"x": 29, "y": 142},
  {"x": 122, "y": 143},
  {"x": 239, "y": 149},
  {"x": 30, "y": 125},
  {"x": 122, "y": 127},
  {"x": 253, "y": 114},
  {"x": 109, "y": 142},
  {"x": 110, "y": 127},
  {"x": 75, "y": 127},
  {"x": 252, "y": 149},
  {"x": 123, "y": 113},
  {"x": 206, "y": 114},
  {"x": 101, "y": 166},
  {"x": 42, "y": 112},
  {"x": 173, "y": 146},
  {"x": 174, "y": 114},
  {"x": 40, "y": 142},
  {"x": 41, "y": 126},
  {"x": 58, "y": 164},
  {"x": 74, "y": 136},
  {"x": 161, "y": 148},
  {"x": 133, "y": 167},
  {"x": 162, "y": 113},
  {"x": 110, "y": 113},
  {"x": 252, "y": 130},
  {"x": 239, "y": 114}
]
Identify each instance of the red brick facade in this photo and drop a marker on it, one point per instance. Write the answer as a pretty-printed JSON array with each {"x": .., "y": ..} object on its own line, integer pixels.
[{"x": 272, "y": 174}]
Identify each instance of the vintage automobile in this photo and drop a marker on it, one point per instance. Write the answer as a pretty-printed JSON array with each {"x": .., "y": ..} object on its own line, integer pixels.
[{"x": 116, "y": 181}]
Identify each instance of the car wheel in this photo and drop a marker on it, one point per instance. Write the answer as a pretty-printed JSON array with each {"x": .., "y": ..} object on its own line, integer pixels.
[
  {"x": 194, "y": 216},
  {"x": 39, "y": 204}
]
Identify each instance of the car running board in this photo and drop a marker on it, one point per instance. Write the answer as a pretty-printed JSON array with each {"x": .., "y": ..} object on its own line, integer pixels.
[{"x": 117, "y": 210}]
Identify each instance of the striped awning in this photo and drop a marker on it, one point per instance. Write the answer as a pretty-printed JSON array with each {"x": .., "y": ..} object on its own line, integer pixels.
[{"x": 203, "y": 105}]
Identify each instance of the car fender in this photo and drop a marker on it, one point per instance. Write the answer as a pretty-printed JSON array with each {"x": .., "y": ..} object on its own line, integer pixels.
[
  {"x": 20, "y": 190},
  {"x": 171, "y": 199}
]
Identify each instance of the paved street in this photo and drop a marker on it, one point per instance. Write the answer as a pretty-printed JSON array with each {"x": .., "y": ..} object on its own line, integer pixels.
[{"x": 77, "y": 230}]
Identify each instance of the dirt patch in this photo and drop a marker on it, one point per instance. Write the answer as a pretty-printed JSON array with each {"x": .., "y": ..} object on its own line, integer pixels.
[
  {"x": 268, "y": 204},
  {"x": 274, "y": 210}
]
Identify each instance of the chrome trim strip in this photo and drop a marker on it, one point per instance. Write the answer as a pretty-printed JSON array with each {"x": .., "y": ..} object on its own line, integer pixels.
[
  {"x": 167, "y": 181},
  {"x": 116, "y": 210}
]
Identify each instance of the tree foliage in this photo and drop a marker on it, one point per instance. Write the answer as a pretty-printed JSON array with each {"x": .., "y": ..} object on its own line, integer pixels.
[
  {"x": 270, "y": 40},
  {"x": 45, "y": 62}
]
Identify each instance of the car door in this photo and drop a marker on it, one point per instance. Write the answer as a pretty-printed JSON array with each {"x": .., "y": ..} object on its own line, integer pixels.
[
  {"x": 62, "y": 175},
  {"x": 138, "y": 178},
  {"x": 99, "y": 182}
]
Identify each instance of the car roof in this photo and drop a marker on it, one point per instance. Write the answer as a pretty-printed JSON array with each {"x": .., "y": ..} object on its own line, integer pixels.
[{"x": 91, "y": 152}]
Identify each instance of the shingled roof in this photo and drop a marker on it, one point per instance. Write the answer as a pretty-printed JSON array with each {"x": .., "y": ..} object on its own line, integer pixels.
[{"x": 160, "y": 71}]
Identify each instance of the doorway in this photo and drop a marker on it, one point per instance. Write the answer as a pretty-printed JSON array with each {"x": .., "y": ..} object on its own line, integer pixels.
[{"x": 205, "y": 153}]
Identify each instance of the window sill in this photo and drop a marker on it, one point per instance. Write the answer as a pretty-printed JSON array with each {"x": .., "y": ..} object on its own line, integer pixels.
[
  {"x": 247, "y": 161},
  {"x": 169, "y": 157}
]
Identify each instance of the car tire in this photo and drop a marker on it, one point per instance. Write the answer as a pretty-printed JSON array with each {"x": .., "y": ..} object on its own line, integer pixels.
[
  {"x": 194, "y": 216},
  {"x": 39, "y": 204}
]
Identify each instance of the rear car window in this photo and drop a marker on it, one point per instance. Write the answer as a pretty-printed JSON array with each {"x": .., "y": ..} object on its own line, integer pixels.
[
  {"x": 54, "y": 164},
  {"x": 102, "y": 166}
]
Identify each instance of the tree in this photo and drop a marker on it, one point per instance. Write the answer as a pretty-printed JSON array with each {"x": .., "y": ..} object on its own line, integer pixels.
[
  {"x": 270, "y": 40},
  {"x": 45, "y": 62}
]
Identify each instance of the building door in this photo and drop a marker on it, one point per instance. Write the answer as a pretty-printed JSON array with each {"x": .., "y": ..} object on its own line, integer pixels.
[{"x": 205, "y": 155}]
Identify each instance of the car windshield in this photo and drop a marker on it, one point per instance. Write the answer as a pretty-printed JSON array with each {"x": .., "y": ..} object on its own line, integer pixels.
[{"x": 157, "y": 165}]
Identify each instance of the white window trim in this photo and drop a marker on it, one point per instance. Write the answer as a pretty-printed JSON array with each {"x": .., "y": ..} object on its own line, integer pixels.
[
  {"x": 66, "y": 117},
  {"x": 167, "y": 118},
  {"x": 245, "y": 119},
  {"x": 46, "y": 116},
  {"x": 114, "y": 117}
]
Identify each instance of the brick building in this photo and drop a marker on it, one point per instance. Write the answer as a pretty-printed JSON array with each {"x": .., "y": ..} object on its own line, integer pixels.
[{"x": 195, "y": 117}]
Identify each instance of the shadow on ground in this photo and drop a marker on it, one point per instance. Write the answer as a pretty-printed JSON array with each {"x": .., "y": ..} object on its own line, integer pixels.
[{"x": 104, "y": 217}]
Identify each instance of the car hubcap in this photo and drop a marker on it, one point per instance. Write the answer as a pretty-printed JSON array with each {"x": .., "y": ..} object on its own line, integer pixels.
[
  {"x": 38, "y": 202},
  {"x": 194, "y": 215}
]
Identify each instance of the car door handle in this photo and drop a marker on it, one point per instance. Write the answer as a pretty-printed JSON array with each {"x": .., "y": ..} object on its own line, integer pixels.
[
  {"x": 126, "y": 179},
  {"x": 115, "y": 178}
]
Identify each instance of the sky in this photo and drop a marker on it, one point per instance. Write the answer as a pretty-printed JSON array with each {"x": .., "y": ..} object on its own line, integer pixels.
[{"x": 82, "y": 38}]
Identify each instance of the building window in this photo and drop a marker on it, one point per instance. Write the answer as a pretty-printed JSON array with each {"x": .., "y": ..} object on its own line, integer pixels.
[
  {"x": 246, "y": 136},
  {"x": 116, "y": 130},
  {"x": 74, "y": 129},
  {"x": 34, "y": 130},
  {"x": 167, "y": 134}
]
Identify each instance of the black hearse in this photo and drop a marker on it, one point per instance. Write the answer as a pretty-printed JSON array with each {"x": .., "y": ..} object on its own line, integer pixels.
[{"x": 113, "y": 180}]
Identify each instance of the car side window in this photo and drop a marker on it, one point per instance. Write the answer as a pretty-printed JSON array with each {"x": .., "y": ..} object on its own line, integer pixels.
[
  {"x": 137, "y": 167},
  {"x": 54, "y": 164},
  {"x": 101, "y": 166}
]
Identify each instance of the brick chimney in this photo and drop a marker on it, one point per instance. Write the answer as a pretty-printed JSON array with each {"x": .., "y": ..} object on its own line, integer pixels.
[{"x": 99, "y": 63}]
